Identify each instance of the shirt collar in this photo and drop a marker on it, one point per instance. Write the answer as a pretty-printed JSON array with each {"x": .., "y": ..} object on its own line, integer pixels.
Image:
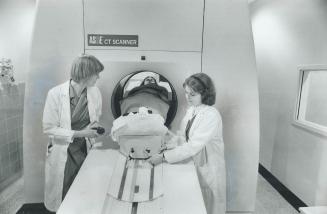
[{"x": 72, "y": 92}]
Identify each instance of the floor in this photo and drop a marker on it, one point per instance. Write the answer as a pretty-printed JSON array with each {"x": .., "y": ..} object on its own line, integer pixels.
[
  {"x": 268, "y": 199},
  {"x": 11, "y": 198}
]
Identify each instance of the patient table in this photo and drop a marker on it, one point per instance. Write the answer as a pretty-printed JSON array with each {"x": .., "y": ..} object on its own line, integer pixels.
[{"x": 89, "y": 192}]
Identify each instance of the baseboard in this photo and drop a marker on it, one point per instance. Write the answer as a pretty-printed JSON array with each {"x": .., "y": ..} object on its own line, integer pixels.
[
  {"x": 287, "y": 194},
  {"x": 35, "y": 208}
]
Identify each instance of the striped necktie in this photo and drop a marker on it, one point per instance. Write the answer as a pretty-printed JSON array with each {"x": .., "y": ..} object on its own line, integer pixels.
[{"x": 188, "y": 127}]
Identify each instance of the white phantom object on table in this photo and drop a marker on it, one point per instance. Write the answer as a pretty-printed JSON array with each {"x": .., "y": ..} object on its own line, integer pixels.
[{"x": 140, "y": 134}]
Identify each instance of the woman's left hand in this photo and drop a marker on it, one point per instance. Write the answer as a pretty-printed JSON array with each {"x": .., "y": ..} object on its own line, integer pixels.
[{"x": 156, "y": 159}]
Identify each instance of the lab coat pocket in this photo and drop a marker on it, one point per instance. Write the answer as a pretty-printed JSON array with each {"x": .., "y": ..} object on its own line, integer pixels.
[
  {"x": 49, "y": 155},
  {"x": 54, "y": 174},
  {"x": 205, "y": 170},
  {"x": 56, "y": 154},
  {"x": 50, "y": 147},
  {"x": 206, "y": 176}
]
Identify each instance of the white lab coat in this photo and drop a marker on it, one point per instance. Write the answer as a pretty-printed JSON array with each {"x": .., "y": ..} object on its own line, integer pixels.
[
  {"x": 57, "y": 125},
  {"x": 206, "y": 148}
]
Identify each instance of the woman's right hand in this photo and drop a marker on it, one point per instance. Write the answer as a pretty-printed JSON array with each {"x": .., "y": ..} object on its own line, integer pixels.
[
  {"x": 172, "y": 142},
  {"x": 89, "y": 133},
  {"x": 168, "y": 136}
]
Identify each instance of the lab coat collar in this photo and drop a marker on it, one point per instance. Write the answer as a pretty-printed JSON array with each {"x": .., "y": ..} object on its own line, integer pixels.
[
  {"x": 65, "y": 118},
  {"x": 71, "y": 91},
  {"x": 197, "y": 109},
  {"x": 65, "y": 88},
  {"x": 66, "y": 104}
]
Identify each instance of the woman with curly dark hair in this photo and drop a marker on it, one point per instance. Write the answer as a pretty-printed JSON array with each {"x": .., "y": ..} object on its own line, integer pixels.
[{"x": 200, "y": 139}]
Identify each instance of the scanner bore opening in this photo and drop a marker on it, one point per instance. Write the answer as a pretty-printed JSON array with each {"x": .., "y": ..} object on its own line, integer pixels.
[{"x": 119, "y": 90}]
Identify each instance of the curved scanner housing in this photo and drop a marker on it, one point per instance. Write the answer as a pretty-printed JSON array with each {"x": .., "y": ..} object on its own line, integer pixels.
[{"x": 199, "y": 40}]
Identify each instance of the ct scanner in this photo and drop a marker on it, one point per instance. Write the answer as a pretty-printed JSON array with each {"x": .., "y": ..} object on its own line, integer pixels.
[{"x": 172, "y": 38}]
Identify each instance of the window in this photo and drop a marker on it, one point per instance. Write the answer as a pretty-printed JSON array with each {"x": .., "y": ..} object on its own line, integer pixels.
[{"x": 311, "y": 110}]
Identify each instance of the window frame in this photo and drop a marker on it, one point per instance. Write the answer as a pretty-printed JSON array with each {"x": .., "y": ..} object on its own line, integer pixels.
[{"x": 297, "y": 120}]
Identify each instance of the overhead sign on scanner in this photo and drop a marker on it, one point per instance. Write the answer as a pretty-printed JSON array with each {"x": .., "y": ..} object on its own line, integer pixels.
[{"x": 113, "y": 40}]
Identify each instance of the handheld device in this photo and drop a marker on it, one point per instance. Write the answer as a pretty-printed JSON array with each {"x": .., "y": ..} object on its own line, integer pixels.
[{"x": 100, "y": 130}]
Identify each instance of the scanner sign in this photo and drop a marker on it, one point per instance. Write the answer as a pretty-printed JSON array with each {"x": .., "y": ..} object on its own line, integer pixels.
[{"x": 113, "y": 40}]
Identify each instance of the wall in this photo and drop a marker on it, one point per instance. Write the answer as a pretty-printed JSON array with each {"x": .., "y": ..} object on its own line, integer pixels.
[
  {"x": 287, "y": 34},
  {"x": 16, "y": 21},
  {"x": 11, "y": 133}
]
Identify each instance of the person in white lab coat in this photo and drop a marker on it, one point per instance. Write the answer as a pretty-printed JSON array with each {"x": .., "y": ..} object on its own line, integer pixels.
[
  {"x": 71, "y": 110},
  {"x": 200, "y": 139}
]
